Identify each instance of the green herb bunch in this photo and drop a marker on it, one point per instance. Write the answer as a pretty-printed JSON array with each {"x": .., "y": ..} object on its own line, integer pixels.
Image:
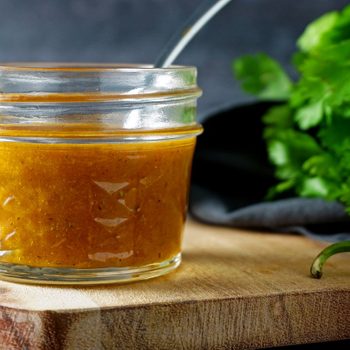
[{"x": 308, "y": 133}]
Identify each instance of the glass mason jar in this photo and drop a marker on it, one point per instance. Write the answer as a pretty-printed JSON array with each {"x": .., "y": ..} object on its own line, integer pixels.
[{"x": 95, "y": 165}]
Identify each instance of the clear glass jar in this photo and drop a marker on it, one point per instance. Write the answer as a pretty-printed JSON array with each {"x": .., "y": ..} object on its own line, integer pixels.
[{"x": 95, "y": 166}]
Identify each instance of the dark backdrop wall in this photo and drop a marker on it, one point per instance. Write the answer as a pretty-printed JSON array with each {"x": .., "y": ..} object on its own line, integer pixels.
[{"x": 135, "y": 31}]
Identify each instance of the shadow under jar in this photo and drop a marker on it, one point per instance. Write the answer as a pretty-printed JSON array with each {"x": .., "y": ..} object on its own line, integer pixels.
[{"x": 95, "y": 165}]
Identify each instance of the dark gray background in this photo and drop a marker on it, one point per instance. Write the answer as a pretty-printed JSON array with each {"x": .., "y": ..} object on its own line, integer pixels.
[{"x": 135, "y": 31}]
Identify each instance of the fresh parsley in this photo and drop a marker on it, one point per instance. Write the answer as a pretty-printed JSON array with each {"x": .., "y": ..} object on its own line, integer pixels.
[{"x": 308, "y": 134}]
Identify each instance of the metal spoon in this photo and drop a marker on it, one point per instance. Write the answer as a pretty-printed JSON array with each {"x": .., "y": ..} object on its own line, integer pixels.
[{"x": 201, "y": 16}]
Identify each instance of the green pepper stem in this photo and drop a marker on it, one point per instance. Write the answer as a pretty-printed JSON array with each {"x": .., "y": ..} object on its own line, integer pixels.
[{"x": 317, "y": 264}]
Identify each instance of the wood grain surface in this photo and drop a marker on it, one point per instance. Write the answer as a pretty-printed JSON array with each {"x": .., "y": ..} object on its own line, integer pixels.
[{"x": 234, "y": 290}]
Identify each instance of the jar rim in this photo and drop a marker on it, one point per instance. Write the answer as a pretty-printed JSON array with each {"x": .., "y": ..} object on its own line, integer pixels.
[
  {"x": 88, "y": 67},
  {"x": 94, "y": 82}
]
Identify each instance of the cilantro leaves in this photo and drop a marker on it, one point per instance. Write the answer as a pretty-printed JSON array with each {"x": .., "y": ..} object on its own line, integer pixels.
[{"x": 308, "y": 135}]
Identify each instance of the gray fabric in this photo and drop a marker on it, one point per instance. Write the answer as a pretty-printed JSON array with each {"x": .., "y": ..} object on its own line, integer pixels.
[
  {"x": 327, "y": 220},
  {"x": 316, "y": 218}
]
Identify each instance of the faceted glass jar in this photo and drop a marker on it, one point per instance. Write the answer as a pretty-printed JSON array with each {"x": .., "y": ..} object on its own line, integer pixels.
[{"x": 95, "y": 165}]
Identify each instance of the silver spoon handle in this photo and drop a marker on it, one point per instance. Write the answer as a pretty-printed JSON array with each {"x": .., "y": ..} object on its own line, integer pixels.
[{"x": 203, "y": 14}]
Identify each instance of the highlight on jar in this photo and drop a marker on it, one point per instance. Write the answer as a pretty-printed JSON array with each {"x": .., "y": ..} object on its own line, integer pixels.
[{"x": 95, "y": 164}]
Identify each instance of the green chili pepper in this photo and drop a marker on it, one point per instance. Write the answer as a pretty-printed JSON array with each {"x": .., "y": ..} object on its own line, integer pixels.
[{"x": 317, "y": 264}]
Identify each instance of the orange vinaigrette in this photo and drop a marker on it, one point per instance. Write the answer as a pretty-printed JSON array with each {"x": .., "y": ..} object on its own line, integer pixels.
[{"x": 89, "y": 206}]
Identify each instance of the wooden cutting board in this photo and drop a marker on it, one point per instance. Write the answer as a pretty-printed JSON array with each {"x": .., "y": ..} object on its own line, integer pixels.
[{"x": 235, "y": 290}]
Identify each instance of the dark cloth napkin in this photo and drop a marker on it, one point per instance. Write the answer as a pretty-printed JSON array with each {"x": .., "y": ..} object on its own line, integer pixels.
[{"x": 231, "y": 176}]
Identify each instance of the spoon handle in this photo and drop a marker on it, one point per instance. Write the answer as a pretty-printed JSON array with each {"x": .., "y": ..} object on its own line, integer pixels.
[{"x": 206, "y": 10}]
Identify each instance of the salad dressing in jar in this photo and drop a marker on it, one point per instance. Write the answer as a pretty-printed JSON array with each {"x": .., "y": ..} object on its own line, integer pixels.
[{"x": 95, "y": 165}]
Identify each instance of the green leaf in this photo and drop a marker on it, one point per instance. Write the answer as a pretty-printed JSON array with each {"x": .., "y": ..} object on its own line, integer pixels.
[
  {"x": 278, "y": 152},
  {"x": 301, "y": 144},
  {"x": 314, "y": 32},
  {"x": 288, "y": 150},
  {"x": 341, "y": 29},
  {"x": 279, "y": 116},
  {"x": 322, "y": 165},
  {"x": 310, "y": 115},
  {"x": 280, "y": 188},
  {"x": 317, "y": 187},
  {"x": 262, "y": 76},
  {"x": 336, "y": 136},
  {"x": 306, "y": 90}
]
